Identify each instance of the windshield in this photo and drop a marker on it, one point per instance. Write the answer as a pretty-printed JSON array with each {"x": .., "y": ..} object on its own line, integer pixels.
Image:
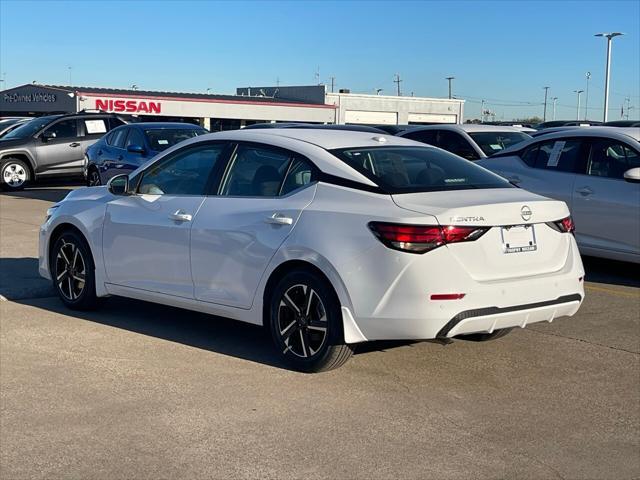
[
  {"x": 493, "y": 142},
  {"x": 162, "y": 138},
  {"x": 418, "y": 169},
  {"x": 29, "y": 128}
]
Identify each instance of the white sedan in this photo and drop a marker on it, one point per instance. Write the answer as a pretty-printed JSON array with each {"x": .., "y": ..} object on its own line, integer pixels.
[
  {"x": 328, "y": 238},
  {"x": 594, "y": 170}
]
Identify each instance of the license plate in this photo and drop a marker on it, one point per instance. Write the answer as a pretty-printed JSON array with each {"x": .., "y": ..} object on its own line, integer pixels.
[{"x": 518, "y": 238}]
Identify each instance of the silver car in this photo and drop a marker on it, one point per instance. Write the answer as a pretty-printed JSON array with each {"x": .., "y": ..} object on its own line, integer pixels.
[{"x": 596, "y": 171}]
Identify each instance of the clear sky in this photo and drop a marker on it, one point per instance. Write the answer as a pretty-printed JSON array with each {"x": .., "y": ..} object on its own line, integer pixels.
[{"x": 501, "y": 51}]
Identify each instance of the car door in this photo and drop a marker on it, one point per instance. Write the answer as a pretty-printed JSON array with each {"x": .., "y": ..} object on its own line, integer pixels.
[
  {"x": 237, "y": 232},
  {"x": 112, "y": 153},
  {"x": 550, "y": 167},
  {"x": 606, "y": 208},
  {"x": 58, "y": 147},
  {"x": 146, "y": 234}
]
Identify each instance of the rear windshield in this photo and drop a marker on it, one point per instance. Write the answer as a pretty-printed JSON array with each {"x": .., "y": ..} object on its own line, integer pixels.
[
  {"x": 162, "y": 138},
  {"x": 494, "y": 142},
  {"x": 418, "y": 169}
]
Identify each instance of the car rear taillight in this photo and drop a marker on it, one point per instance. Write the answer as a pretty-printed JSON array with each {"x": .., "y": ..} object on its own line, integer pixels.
[
  {"x": 422, "y": 238},
  {"x": 565, "y": 225}
]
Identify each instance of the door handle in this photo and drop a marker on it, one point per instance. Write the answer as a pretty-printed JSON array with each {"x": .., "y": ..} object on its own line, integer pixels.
[
  {"x": 279, "y": 219},
  {"x": 74, "y": 144},
  {"x": 180, "y": 216},
  {"x": 584, "y": 191}
]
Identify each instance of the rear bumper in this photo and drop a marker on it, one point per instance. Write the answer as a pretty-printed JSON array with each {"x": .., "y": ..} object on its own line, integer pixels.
[{"x": 495, "y": 318}]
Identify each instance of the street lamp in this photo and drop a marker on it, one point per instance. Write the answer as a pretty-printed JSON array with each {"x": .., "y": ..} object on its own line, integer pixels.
[
  {"x": 586, "y": 96},
  {"x": 449, "y": 79},
  {"x": 554, "y": 99},
  {"x": 608, "y": 68},
  {"x": 578, "y": 107},
  {"x": 544, "y": 115}
]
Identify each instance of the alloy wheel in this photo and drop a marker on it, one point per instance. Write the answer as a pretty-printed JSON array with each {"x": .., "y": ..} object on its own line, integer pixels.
[
  {"x": 302, "y": 321},
  {"x": 70, "y": 271},
  {"x": 14, "y": 175},
  {"x": 94, "y": 178}
]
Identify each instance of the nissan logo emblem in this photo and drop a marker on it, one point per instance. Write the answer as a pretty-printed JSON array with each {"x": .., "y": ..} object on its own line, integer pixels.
[{"x": 526, "y": 213}]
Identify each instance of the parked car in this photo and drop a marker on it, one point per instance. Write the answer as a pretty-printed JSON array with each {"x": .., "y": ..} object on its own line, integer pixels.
[
  {"x": 596, "y": 171},
  {"x": 54, "y": 145},
  {"x": 327, "y": 238},
  {"x": 127, "y": 147},
  {"x": 11, "y": 123},
  {"x": 318, "y": 126},
  {"x": 472, "y": 142},
  {"x": 622, "y": 123},
  {"x": 567, "y": 123}
]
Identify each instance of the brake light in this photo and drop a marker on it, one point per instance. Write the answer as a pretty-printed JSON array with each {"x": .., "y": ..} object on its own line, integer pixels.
[
  {"x": 422, "y": 238},
  {"x": 565, "y": 225}
]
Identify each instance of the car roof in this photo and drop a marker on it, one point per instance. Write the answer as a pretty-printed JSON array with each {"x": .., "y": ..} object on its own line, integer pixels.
[
  {"x": 615, "y": 133},
  {"x": 467, "y": 127},
  {"x": 312, "y": 143}
]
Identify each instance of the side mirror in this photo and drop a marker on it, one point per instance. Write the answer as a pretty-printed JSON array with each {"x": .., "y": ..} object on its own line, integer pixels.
[
  {"x": 136, "y": 149},
  {"x": 632, "y": 175},
  {"x": 47, "y": 135},
  {"x": 119, "y": 185}
]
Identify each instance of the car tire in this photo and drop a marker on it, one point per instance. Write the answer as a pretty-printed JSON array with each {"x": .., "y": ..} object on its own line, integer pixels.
[
  {"x": 73, "y": 271},
  {"x": 485, "y": 337},
  {"x": 93, "y": 177},
  {"x": 14, "y": 174},
  {"x": 305, "y": 319}
]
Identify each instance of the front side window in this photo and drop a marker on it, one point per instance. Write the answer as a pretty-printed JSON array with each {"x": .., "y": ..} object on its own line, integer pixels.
[
  {"x": 494, "y": 142},
  {"x": 611, "y": 159},
  {"x": 456, "y": 143},
  {"x": 184, "y": 173},
  {"x": 418, "y": 169},
  {"x": 30, "y": 128},
  {"x": 162, "y": 138},
  {"x": 135, "y": 138},
  {"x": 256, "y": 171},
  {"x": 559, "y": 155},
  {"x": 424, "y": 136},
  {"x": 63, "y": 129},
  {"x": 117, "y": 138}
]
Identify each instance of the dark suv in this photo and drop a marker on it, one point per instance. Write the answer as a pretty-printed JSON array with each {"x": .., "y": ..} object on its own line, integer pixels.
[{"x": 50, "y": 146}]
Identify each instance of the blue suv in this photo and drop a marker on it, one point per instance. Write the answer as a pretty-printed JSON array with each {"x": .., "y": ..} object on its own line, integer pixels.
[{"x": 126, "y": 148}]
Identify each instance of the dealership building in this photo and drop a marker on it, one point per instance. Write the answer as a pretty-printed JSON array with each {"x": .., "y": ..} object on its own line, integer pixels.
[{"x": 308, "y": 104}]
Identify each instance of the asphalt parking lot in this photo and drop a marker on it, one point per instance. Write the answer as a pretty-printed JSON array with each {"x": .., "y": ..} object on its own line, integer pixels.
[{"x": 136, "y": 390}]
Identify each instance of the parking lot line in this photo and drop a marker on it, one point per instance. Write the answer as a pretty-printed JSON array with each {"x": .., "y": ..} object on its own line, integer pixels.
[{"x": 613, "y": 291}]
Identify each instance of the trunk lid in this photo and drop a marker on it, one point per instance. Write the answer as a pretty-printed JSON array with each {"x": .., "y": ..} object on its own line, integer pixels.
[{"x": 515, "y": 218}]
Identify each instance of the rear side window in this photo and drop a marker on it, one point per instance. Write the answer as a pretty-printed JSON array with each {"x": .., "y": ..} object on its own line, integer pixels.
[
  {"x": 418, "y": 169},
  {"x": 611, "y": 159},
  {"x": 300, "y": 174},
  {"x": 95, "y": 126},
  {"x": 559, "y": 155},
  {"x": 494, "y": 142},
  {"x": 256, "y": 171}
]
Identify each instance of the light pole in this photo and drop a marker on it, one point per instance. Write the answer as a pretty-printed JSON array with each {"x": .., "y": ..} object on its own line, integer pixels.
[
  {"x": 578, "y": 107},
  {"x": 449, "y": 79},
  {"x": 554, "y": 99},
  {"x": 586, "y": 96},
  {"x": 70, "y": 82},
  {"x": 608, "y": 68},
  {"x": 482, "y": 112},
  {"x": 544, "y": 114}
]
